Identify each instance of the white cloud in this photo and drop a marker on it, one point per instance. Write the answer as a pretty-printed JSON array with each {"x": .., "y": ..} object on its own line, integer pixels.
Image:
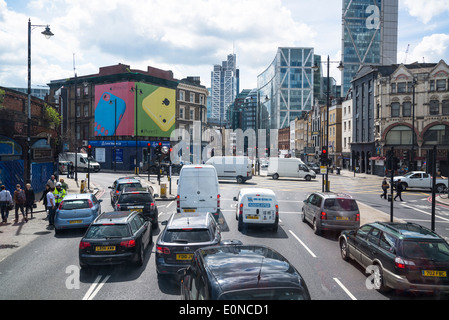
[{"x": 426, "y": 10}]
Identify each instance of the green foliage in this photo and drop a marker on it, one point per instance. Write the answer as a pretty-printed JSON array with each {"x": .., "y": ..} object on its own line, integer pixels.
[{"x": 52, "y": 116}]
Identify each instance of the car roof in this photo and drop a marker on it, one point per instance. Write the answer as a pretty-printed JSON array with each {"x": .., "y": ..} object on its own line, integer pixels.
[
  {"x": 72, "y": 196},
  {"x": 190, "y": 220},
  {"x": 239, "y": 267},
  {"x": 127, "y": 180},
  {"x": 255, "y": 191},
  {"x": 407, "y": 230},
  {"x": 135, "y": 190},
  {"x": 331, "y": 194},
  {"x": 114, "y": 217}
]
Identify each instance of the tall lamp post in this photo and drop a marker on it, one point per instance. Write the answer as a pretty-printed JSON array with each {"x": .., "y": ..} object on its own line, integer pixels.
[
  {"x": 412, "y": 156},
  {"x": 48, "y": 34},
  {"x": 315, "y": 68}
]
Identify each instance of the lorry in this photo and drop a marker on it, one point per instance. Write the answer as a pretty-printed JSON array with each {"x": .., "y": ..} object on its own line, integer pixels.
[
  {"x": 82, "y": 161},
  {"x": 289, "y": 167},
  {"x": 420, "y": 180},
  {"x": 230, "y": 167}
]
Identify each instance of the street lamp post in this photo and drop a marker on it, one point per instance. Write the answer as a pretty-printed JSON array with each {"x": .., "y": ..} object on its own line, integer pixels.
[
  {"x": 48, "y": 34},
  {"x": 412, "y": 156}
]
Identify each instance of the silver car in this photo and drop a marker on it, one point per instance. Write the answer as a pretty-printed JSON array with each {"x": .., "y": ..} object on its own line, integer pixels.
[{"x": 331, "y": 211}]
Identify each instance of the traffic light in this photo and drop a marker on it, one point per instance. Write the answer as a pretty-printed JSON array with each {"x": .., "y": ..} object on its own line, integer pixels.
[
  {"x": 324, "y": 157},
  {"x": 406, "y": 156},
  {"x": 89, "y": 151}
]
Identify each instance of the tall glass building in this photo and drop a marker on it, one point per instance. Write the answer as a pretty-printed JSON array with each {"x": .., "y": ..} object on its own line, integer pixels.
[{"x": 370, "y": 35}]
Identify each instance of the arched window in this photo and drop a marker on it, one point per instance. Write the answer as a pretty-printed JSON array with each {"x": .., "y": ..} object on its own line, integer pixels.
[
  {"x": 399, "y": 135},
  {"x": 9, "y": 147},
  {"x": 438, "y": 134}
]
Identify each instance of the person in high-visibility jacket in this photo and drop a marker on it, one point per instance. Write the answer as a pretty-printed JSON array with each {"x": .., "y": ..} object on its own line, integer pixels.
[{"x": 59, "y": 193}]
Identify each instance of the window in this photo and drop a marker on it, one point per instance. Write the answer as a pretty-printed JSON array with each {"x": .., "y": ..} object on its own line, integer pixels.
[
  {"x": 363, "y": 231},
  {"x": 393, "y": 88},
  {"x": 78, "y": 111},
  {"x": 86, "y": 111},
  {"x": 441, "y": 85},
  {"x": 181, "y": 96},
  {"x": 399, "y": 135},
  {"x": 181, "y": 112},
  {"x": 434, "y": 107},
  {"x": 86, "y": 91},
  {"x": 407, "y": 109},
  {"x": 388, "y": 242},
  {"x": 192, "y": 97},
  {"x": 402, "y": 87},
  {"x": 445, "y": 107},
  {"x": 192, "y": 114},
  {"x": 374, "y": 236},
  {"x": 395, "y": 109}
]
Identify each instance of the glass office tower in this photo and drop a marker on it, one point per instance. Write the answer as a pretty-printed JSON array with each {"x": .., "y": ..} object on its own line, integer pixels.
[{"x": 370, "y": 35}]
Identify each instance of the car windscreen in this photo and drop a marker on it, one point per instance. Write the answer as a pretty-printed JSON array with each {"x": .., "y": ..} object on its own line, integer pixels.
[
  {"x": 266, "y": 294},
  {"x": 187, "y": 235},
  {"x": 75, "y": 204},
  {"x": 341, "y": 205},
  {"x": 108, "y": 231},
  {"x": 428, "y": 250},
  {"x": 129, "y": 185},
  {"x": 136, "y": 198}
]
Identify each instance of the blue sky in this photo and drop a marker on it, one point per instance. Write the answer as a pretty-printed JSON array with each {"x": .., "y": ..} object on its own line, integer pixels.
[{"x": 189, "y": 37}]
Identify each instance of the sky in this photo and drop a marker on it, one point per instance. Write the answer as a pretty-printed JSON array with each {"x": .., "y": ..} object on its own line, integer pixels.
[{"x": 190, "y": 36}]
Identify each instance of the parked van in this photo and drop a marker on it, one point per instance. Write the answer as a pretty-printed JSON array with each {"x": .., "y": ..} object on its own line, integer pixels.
[
  {"x": 230, "y": 167},
  {"x": 82, "y": 161},
  {"x": 289, "y": 167},
  {"x": 257, "y": 206},
  {"x": 198, "y": 190}
]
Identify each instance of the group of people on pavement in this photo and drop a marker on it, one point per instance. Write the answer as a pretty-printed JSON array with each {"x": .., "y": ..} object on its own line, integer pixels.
[
  {"x": 386, "y": 186},
  {"x": 24, "y": 200}
]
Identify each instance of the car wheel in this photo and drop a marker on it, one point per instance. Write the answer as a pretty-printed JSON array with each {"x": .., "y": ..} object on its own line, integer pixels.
[
  {"x": 316, "y": 230},
  {"x": 378, "y": 278},
  {"x": 240, "y": 224},
  {"x": 275, "y": 176},
  {"x": 308, "y": 178},
  {"x": 240, "y": 180},
  {"x": 344, "y": 249}
]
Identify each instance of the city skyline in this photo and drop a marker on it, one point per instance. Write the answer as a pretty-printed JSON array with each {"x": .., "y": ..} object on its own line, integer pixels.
[{"x": 190, "y": 37}]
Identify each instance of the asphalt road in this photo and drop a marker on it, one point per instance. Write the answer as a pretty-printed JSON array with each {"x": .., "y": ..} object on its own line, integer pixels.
[{"x": 47, "y": 267}]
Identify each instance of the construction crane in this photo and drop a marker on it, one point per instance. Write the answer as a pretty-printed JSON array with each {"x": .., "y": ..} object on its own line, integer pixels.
[{"x": 406, "y": 53}]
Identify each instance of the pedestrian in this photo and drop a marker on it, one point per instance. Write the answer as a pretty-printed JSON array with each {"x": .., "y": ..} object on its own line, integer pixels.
[
  {"x": 5, "y": 203},
  {"x": 51, "y": 206},
  {"x": 83, "y": 187},
  {"x": 399, "y": 189},
  {"x": 52, "y": 182},
  {"x": 385, "y": 187},
  {"x": 19, "y": 200},
  {"x": 69, "y": 169},
  {"x": 44, "y": 197},
  {"x": 30, "y": 200},
  {"x": 64, "y": 185},
  {"x": 59, "y": 193}
]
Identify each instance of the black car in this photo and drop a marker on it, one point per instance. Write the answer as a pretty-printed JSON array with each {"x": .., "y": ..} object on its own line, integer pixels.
[
  {"x": 183, "y": 234},
  {"x": 120, "y": 184},
  {"x": 114, "y": 238},
  {"x": 402, "y": 256},
  {"x": 138, "y": 199},
  {"x": 240, "y": 272},
  {"x": 314, "y": 167}
]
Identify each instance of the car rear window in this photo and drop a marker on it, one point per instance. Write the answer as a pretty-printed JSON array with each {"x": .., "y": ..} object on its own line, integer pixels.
[
  {"x": 432, "y": 250},
  {"x": 129, "y": 185},
  {"x": 108, "y": 231},
  {"x": 341, "y": 204},
  {"x": 187, "y": 235},
  {"x": 266, "y": 294},
  {"x": 135, "y": 198},
  {"x": 75, "y": 204}
]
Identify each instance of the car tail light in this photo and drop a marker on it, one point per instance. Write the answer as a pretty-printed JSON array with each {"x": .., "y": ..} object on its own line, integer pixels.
[
  {"x": 404, "y": 264},
  {"x": 163, "y": 250},
  {"x": 152, "y": 206},
  {"x": 277, "y": 211},
  {"x": 117, "y": 206},
  {"x": 323, "y": 216},
  {"x": 241, "y": 209},
  {"x": 84, "y": 245},
  {"x": 357, "y": 217},
  {"x": 178, "y": 204},
  {"x": 60, "y": 205},
  {"x": 90, "y": 203},
  {"x": 218, "y": 201},
  {"x": 128, "y": 243}
]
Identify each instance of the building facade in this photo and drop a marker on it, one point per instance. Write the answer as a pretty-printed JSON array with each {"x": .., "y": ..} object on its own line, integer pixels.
[{"x": 370, "y": 35}]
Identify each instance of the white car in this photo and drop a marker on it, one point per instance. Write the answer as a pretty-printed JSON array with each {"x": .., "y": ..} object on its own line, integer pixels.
[{"x": 257, "y": 207}]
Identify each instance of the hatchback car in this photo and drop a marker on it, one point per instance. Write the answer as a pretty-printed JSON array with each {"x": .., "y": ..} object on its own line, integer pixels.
[
  {"x": 183, "y": 234},
  {"x": 115, "y": 237},
  {"x": 138, "y": 199},
  {"x": 120, "y": 184},
  {"x": 241, "y": 272},
  {"x": 402, "y": 256},
  {"x": 330, "y": 211},
  {"x": 77, "y": 211}
]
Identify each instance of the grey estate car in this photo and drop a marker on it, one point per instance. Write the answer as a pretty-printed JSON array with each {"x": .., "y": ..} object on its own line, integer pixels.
[{"x": 330, "y": 211}]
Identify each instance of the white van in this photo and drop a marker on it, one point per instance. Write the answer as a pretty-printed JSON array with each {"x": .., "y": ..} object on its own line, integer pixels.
[
  {"x": 257, "y": 206},
  {"x": 82, "y": 160},
  {"x": 230, "y": 167},
  {"x": 198, "y": 190},
  {"x": 289, "y": 167}
]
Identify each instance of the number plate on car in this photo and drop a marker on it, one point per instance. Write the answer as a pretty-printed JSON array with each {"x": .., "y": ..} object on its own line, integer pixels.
[
  {"x": 184, "y": 256},
  {"x": 104, "y": 248},
  {"x": 341, "y": 218},
  {"x": 75, "y": 221},
  {"x": 434, "y": 273},
  {"x": 189, "y": 210}
]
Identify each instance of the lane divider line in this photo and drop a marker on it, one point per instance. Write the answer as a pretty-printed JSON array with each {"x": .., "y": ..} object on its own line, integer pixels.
[
  {"x": 303, "y": 244},
  {"x": 95, "y": 287},
  {"x": 345, "y": 289}
]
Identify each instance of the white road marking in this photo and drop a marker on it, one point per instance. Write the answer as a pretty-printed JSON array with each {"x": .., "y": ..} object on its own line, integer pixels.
[
  {"x": 303, "y": 244},
  {"x": 345, "y": 289},
  {"x": 95, "y": 287}
]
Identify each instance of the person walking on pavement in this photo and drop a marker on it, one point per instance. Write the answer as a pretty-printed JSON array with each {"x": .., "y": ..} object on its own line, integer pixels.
[
  {"x": 64, "y": 185},
  {"x": 19, "y": 200},
  {"x": 385, "y": 187},
  {"x": 44, "y": 197},
  {"x": 5, "y": 202},
  {"x": 399, "y": 189},
  {"x": 30, "y": 200},
  {"x": 52, "y": 182},
  {"x": 51, "y": 206}
]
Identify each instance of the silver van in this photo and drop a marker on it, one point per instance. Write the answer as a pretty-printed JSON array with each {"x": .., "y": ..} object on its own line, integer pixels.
[{"x": 330, "y": 211}]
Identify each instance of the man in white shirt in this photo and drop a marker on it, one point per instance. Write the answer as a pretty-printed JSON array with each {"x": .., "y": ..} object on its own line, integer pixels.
[
  {"x": 51, "y": 206},
  {"x": 5, "y": 200}
]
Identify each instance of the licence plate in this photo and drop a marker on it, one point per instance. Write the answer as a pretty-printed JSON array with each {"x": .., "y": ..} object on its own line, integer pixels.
[
  {"x": 434, "y": 273},
  {"x": 189, "y": 210},
  {"x": 252, "y": 217},
  {"x": 75, "y": 221},
  {"x": 104, "y": 248},
  {"x": 138, "y": 210},
  {"x": 184, "y": 256},
  {"x": 341, "y": 218}
]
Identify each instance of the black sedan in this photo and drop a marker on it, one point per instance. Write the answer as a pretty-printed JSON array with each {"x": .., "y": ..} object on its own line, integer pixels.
[
  {"x": 138, "y": 199},
  {"x": 240, "y": 272},
  {"x": 115, "y": 238}
]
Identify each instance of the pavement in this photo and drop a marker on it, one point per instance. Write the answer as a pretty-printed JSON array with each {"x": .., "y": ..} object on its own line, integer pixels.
[{"x": 14, "y": 236}]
